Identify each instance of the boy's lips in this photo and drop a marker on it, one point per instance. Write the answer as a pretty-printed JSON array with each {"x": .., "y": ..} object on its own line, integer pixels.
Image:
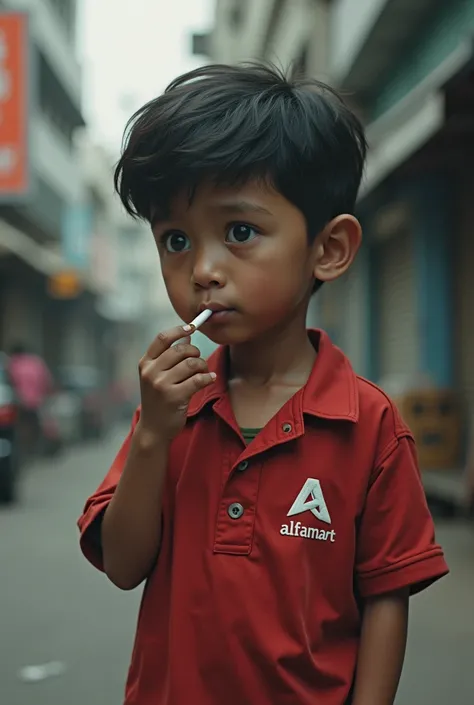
[
  {"x": 219, "y": 311},
  {"x": 215, "y": 307},
  {"x": 222, "y": 314}
]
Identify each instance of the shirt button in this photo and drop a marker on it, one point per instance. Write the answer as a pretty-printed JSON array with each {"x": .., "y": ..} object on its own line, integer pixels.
[
  {"x": 287, "y": 427},
  {"x": 235, "y": 510},
  {"x": 243, "y": 466}
]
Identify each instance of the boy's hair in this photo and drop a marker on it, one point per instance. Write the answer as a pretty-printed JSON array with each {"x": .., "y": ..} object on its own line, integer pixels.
[{"x": 230, "y": 124}]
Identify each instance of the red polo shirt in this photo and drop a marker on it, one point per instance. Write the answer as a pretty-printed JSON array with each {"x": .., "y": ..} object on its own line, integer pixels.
[{"x": 267, "y": 549}]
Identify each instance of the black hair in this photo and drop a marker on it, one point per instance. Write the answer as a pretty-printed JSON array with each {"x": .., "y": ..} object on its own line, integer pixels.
[{"x": 231, "y": 124}]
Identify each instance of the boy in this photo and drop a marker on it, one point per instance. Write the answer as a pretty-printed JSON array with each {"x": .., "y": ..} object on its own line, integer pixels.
[{"x": 269, "y": 498}]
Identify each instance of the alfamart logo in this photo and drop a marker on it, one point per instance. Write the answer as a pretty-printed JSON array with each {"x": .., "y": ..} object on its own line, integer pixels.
[{"x": 310, "y": 499}]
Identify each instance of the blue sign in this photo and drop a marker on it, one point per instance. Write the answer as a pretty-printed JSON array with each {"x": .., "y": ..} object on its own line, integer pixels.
[{"x": 77, "y": 224}]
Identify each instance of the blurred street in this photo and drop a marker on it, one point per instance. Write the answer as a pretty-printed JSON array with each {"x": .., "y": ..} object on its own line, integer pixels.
[{"x": 54, "y": 607}]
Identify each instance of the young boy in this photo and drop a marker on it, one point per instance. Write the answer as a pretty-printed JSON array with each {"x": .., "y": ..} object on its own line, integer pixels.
[{"x": 270, "y": 498}]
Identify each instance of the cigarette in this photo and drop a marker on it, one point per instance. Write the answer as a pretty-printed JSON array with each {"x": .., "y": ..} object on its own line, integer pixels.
[{"x": 202, "y": 318}]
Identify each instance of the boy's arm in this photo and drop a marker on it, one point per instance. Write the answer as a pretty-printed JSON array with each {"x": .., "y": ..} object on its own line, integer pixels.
[
  {"x": 124, "y": 541},
  {"x": 382, "y": 648},
  {"x": 128, "y": 505},
  {"x": 131, "y": 525},
  {"x": 121, "y": 523},
  {"x": 397, "y": 556}
]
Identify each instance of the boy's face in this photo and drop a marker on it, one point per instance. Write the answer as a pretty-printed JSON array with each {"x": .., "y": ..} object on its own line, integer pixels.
[{"x": 243, "y": 252}]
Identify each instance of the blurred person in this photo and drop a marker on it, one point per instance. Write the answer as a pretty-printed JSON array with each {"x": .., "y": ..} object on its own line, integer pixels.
[
  {"x": 32, "y": 383},
  {"x": 269, "y": 497}
]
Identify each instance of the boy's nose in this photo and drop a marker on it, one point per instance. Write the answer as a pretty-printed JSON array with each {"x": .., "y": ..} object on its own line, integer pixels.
[{"x": 208, "y": 273}]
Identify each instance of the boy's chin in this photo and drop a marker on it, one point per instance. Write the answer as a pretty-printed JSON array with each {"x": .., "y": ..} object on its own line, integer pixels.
[{"x": 228, "y": 337}]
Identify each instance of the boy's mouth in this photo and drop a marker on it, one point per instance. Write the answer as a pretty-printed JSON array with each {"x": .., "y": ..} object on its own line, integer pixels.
[
  {"x": 215, "y": 307},
  {"x": 219, "y": 311},
  {"x": 221, "y": 314}
]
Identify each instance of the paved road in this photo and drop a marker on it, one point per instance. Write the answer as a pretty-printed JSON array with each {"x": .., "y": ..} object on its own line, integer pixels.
[{"x": 53, "y": 606}]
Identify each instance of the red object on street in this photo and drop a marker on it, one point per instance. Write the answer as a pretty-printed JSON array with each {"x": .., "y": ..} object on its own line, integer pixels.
[{"x": 8, "y": 415}]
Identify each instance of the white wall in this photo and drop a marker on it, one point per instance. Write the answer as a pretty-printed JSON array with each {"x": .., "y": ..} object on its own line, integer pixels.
[
  {"x": 350, "y": 23},
  {"x": 292, "y": 32},
  {"x": 96, "y": 167},
  {"x": 230, "y": 46},
  {"x": 53, "y": 158},
  {"x": 300, "y": 22}
]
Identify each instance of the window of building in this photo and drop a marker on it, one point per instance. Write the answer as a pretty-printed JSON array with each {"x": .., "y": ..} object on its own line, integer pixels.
[
  {"x": 301, "y": 63},
  {"x": 52, "y": 101}
]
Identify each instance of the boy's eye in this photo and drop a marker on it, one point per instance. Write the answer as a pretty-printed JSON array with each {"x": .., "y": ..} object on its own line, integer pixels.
[
  {"x": 239, "y": 233},
  {"x": 176, "y": 242}
]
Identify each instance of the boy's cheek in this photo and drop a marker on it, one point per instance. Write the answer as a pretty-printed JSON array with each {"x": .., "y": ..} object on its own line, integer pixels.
[{"x": 179, "y": 298}]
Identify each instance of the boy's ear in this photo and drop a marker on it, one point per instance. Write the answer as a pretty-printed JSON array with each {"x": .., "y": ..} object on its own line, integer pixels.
[{"x": 336, "y": 247}]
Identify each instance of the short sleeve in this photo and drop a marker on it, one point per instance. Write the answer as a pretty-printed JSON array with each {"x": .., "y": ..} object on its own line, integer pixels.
[
  {"x": 90, "y": 520},
  {"x": 396, "y": 538}
]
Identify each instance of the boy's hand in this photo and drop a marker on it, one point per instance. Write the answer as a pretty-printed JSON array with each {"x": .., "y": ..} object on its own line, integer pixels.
[{"x": 169, "y": 376}]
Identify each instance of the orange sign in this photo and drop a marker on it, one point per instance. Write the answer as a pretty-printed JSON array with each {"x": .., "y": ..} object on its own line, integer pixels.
[
  {"x": 64, "y": 285},
  {"x": 14, "y": 90}
]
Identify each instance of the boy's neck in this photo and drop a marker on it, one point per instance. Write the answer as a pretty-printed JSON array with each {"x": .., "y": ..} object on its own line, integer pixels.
[{"x": 284, "y": 356}]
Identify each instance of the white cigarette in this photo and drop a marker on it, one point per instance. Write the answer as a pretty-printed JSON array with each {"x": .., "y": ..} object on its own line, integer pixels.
[{"x": 202, "y": 318}]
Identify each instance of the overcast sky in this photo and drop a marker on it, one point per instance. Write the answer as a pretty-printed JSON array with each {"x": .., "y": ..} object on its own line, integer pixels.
[{"x": 131, "y": 52}]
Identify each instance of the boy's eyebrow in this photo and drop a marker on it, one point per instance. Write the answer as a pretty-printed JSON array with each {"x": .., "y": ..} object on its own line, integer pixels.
[{"x": 241, "y": 206}]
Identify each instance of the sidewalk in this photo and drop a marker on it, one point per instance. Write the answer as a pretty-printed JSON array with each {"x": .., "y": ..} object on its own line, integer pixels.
[
  {"x": 445, "y": 485},
  {"x": 440, "y": 656}
]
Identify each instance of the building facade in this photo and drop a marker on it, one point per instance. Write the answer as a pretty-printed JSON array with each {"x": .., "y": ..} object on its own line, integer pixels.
[
  {"x": 411, "y": 68},
  {"x": 40, "y": 104},
  {"x": 286, "y": 32},
  {"x": 79, "y": 283},
  {"x": 416, "y": 202}
]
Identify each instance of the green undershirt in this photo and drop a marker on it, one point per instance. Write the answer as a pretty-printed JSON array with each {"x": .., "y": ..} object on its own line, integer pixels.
[{"x": 249, "y": 434}]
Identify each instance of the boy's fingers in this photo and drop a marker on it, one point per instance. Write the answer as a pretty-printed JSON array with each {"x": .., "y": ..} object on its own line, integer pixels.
[
  {"x": 187, "y": 368},
  {"x": 170, "y": 358},
  {"x": 165, "y": 340},
  {"x": 192, "y": 385}
]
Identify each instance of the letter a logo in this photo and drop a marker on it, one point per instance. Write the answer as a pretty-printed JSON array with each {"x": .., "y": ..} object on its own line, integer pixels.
[{"x": 311, "y": 499}]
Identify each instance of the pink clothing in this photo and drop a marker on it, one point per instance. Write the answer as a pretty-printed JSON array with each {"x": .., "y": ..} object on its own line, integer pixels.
[{"x": 31, "y": 379}]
